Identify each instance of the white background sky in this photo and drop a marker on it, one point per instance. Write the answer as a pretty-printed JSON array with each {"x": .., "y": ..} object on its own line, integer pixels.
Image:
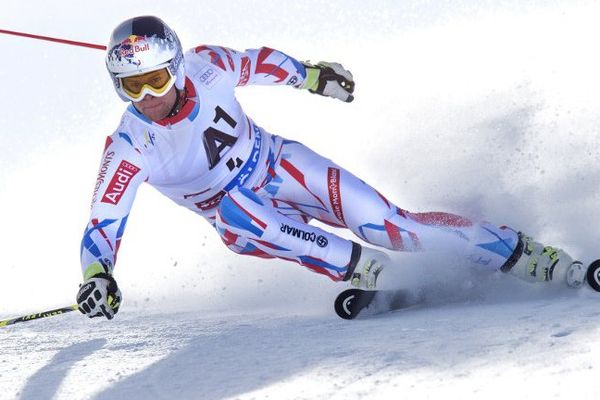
[{"x": 486, "y": 110}]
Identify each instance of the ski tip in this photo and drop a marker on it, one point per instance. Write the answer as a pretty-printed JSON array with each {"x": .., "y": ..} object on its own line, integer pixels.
[
  {"x": 350, "y": 302},
  {"x": 593, "y": 275}
]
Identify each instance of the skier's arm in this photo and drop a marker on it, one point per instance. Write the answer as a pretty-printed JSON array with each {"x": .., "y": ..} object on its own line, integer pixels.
[
  {"x": 121, "y": 172},
  {"x": 266, "y": 66}
]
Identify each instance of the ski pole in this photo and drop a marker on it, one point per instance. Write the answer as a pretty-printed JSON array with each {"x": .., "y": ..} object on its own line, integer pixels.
[
  {"x": 52, "y": 39},
  {"x": 44, "y": 314}
]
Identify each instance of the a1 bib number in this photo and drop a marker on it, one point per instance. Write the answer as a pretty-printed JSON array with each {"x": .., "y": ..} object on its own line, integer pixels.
[{"x": 217, "y": 142}]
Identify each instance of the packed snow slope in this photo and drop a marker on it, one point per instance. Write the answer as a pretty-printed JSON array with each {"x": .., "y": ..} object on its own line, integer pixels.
[{"x": 485, "y": 109}]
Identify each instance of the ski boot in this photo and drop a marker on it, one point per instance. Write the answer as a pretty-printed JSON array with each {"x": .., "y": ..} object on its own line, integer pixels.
[
  {"x": 365, "y": 266},
  {"x": 534, "y": 262}
]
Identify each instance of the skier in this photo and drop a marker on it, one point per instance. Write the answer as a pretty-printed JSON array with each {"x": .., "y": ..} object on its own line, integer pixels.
[{"x": 185, "y": 134}]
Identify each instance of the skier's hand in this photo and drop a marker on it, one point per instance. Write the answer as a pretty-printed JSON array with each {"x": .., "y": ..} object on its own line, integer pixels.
[
  {"x": 99, "y": 296},
  {"x": 329, "y": 79}
]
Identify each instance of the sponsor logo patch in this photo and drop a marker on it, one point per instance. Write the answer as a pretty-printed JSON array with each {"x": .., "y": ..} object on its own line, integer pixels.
[
  {"x": 149, "y": 139},
  {"x": 304, "y": 235},
  {"x": 119, "y": 182},
  {"x": 335, "y": 197},
  {"x": 133, "y": 44},
  {"x": 208, "y": 76},
  {"x": 108, "y": 157},
  {"x": 211, "y": 202}
]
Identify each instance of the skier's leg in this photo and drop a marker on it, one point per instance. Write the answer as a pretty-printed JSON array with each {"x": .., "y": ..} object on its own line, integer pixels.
[
  {"x": 253, "y": 225},
  {"x": 320, "y": 188},
  {"x": 331, "y": 194}
]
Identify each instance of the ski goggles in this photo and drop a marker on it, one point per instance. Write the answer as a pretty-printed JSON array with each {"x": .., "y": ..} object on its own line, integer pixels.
[{"x": 155, "y": 83}]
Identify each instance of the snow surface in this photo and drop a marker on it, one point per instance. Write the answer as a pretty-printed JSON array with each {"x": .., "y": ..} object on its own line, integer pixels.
[{"x": 485, "y": 109}]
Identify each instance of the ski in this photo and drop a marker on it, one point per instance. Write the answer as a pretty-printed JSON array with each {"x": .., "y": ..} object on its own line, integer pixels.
[
  {"x": 354, "y": 302},
  {"x": 351, "y": 303},
  {"x": 593, "y": 275}
]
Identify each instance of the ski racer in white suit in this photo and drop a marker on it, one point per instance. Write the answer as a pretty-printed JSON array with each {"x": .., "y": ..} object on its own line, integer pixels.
[{"x": 185, "y": 134}]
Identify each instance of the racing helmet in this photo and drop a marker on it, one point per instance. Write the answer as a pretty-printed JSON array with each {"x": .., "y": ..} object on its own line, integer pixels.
[{"x": 138, "y": 47}]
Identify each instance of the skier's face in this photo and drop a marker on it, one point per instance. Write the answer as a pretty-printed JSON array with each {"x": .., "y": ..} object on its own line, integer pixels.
[{"x": 157, "y": 108}]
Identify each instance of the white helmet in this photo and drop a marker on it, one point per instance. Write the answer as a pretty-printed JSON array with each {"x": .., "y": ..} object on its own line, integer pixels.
[{"x": 140, "y": 45}]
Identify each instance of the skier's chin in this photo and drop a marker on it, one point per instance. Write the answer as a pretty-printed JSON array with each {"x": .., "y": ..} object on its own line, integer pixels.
[{"x": 157, "y": 108}]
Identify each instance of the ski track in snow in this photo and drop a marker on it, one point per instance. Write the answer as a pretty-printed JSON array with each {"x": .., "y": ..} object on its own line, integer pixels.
[
  {"x": 485, "y": 109},
  {"x": 538, "y": 348}
]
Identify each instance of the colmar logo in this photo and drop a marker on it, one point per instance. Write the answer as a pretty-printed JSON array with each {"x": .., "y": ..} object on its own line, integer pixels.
[
  {"x": 304, "y": 235},
  {"x": 119, "y": 182}
]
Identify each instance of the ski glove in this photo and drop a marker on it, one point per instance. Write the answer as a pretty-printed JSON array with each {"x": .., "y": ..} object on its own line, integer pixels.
[
  {"x": 329, "y": 79},
  {"x": 99, "y": 296}
]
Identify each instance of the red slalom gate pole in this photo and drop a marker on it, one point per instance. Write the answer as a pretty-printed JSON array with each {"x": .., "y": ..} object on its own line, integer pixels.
[
  {"x": 63, "y": 310},
  {"x": 52, "y": 39}
]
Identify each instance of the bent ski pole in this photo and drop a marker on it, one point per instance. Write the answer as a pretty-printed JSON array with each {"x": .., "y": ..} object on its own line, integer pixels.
[
  {"x": 53, "y": 39},
  {"x": 44, "y": 314}
]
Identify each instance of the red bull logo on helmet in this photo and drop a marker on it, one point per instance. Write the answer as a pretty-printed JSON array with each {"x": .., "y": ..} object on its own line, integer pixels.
[{"x": 133, "y": 44}]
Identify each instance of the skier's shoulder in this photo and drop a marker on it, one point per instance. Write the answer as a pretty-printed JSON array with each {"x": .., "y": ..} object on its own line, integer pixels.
[
  {"x": 216, "y": 60},
  {"x": 124, "y": 139},
  {"x": 214, "y": 54}
]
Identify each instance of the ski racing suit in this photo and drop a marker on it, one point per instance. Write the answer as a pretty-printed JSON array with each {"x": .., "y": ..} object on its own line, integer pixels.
[{"x": 258, "y": 190}]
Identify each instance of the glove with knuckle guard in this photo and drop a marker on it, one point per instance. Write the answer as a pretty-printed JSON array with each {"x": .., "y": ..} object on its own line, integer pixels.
[
  {"x": 99, "y": 296},
  {"x": 329, "y": 79}
]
